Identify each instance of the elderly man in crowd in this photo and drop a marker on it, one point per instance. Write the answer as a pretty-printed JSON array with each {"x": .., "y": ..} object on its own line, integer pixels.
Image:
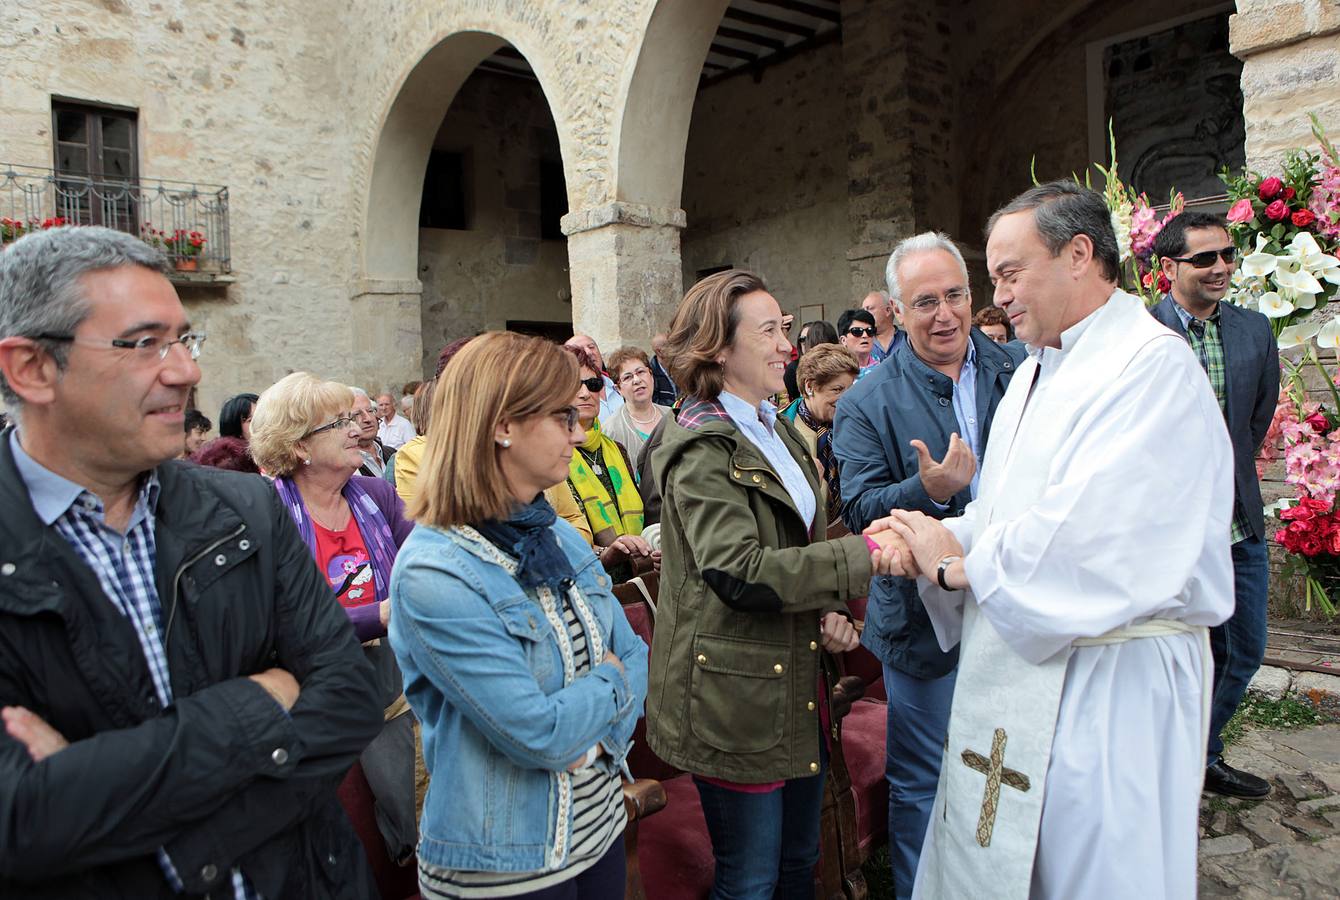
[
  {"x": 609, "y": 396},
  {"x": 911, "y": 436},
  {"x": 393, "y": 429},
  {"x": 888, "y": 337},
  {"x": 369, "y": 445},
  {"x": 181, "y": 694}
]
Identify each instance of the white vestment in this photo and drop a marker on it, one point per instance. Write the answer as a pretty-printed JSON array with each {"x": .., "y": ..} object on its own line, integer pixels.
[{"x": 1105, "y": 501}]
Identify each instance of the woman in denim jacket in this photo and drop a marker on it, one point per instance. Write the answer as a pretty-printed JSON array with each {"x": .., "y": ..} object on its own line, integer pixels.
[{"x": 517, "y": 658}]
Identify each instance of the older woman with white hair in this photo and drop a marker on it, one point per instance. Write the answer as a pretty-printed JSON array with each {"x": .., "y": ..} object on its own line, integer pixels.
[{"x": 304, "y": 434}]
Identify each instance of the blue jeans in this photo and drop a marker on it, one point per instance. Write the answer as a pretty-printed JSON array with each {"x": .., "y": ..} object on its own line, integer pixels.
[
  {"x": 1239, "y": 644},
  {"x": 765, "y": 845},
  {"x": 603, "y": 880},
  {"x": 917, "y": 728}
]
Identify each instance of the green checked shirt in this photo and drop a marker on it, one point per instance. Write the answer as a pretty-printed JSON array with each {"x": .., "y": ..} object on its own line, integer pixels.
[{"x": 1208, "y": 345}]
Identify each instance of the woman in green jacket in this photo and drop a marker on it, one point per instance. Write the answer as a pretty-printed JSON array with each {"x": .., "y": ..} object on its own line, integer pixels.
[{"x": 738, "y": 687}]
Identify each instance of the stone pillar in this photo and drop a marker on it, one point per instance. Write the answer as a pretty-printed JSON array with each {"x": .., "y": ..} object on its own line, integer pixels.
[
  {"x": 1290, "y": 50},
  {"x": 387, "y": 333},
  {"x": 898, "y": 58},
  {"x": 624, "y": 263}
]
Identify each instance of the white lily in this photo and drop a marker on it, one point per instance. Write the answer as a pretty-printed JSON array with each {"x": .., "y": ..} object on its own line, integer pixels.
[
  {"x": 1297, "y": 335},
  {"x": 1290, "y": 273},
  {"x": 1299, "y": 299},
  {"x": 1329, "y": 336},
  {"x": 1305, "y": 249},
  {"x": 1260, "y": 263},
  {"x": 1273, "y": 306}
]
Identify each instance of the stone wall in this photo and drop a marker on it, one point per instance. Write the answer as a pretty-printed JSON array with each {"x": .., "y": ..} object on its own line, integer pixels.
[
  {"x": 499, "y": 268},
  {"x": 765, "y": 183}
]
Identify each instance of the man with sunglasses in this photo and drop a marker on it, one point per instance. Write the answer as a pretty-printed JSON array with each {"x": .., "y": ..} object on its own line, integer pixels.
[
  {"x": 181, "y": 694},
  {"x": 1237, "y": 350},
  {"x": 856, "y": 332}
]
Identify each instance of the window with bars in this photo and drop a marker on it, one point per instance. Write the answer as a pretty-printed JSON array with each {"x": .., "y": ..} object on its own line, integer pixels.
[{"x": 97, "y": 165}]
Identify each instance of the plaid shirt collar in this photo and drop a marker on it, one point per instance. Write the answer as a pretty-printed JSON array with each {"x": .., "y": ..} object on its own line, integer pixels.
[
  {"x": 1186, "y": 318},
  {"x": 52, "y": 495}
]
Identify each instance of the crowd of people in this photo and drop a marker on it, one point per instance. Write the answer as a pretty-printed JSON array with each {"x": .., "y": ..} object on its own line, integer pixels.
[{"x": 203, "y": 635}]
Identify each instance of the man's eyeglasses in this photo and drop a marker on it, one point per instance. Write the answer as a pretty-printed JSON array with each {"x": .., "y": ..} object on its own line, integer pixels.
[
  {"x": 569, "y": 417},
  {"x": 341, "y": 422},
  {"x": 145, "y": 348},
  {"x": 858, "y": 331},
  {"x": 594, "y": 384},
  {"x": 1205, "y": 259},
  {"x": 954, "y": 299},
  {"x": 630, "y": 377}
]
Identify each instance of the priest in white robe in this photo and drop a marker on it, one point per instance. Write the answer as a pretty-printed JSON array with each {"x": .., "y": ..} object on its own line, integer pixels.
[{"x": 1080, "y": 583}]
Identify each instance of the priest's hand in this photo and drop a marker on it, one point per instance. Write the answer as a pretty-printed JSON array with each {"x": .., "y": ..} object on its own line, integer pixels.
[
  {"x": 893, "y": 556},
  {"x": 943, "y": 479},
  {"x": 838, "y": 633},
  {"x": 927, "y": 538},
  {"x": 31, "y": 730}
]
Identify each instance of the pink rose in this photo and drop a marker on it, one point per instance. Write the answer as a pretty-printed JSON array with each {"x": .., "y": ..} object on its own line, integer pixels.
[
  {"x": 1276, "y": 210},
  {"x": 1241, "y": 211},
  {"x": 1269, "y": 188}
]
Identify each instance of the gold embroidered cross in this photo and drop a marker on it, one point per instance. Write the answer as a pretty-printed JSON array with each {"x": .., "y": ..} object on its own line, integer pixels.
[{"x": 995, "y": 772}]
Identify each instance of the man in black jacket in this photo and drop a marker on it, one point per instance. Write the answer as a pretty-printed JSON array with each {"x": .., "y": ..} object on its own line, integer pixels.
[{"x": 181, "y": 693}]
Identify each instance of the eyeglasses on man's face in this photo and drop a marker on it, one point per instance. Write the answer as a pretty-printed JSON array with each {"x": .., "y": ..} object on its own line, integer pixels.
[
  {"x": 343, "y": 422},
  {"x": 858, "y": 331},
  {"x": 638, "y": 374},
  {"x": 1206, "y": 258},
  {"x": 147, "y": 348},
  {"x": 954, "y": 299}
]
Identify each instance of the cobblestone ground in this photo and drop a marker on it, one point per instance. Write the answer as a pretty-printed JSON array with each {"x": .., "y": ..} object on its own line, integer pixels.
[{"x": 1288, "y": 845}]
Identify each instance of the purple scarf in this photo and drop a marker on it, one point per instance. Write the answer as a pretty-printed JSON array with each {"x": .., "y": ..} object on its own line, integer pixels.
[{"x": 372, "y": 525}]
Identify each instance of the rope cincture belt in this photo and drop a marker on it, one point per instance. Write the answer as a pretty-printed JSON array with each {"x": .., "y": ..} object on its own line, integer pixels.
[{"x": 1162, "y": 628}]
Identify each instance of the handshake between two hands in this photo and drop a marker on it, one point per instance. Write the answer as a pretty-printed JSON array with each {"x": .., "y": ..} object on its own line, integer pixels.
[{"x": 910, "y": 543}]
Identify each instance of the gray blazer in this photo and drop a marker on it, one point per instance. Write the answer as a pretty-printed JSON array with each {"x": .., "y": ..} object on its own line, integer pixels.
[{"x": 1252, "y": 385}]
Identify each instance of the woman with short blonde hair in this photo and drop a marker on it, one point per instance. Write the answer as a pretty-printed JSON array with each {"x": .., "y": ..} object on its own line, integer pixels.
[
  {"x": 517, "y": 657},
  {"x": 304, "y": 435},
  {"x": 824, "y": 374}
]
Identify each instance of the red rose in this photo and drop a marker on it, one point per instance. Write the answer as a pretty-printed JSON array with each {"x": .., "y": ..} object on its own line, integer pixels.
[
  {"x": 1269, "y": 188},
  {"x": 1164, "y": 284},
  {"x": 1289, "y": 193},
  {"x": 1303, "y": 218},
  {"x": 1276, "y": 210},
  {"x": 1318, "y": 422}
]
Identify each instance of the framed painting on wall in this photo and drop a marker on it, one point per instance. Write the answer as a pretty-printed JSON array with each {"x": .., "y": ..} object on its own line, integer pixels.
[{"x": 810, "y": 314}]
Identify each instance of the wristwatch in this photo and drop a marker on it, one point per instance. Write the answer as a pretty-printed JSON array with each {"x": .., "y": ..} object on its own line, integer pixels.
[{"x": 940, "y": 571}]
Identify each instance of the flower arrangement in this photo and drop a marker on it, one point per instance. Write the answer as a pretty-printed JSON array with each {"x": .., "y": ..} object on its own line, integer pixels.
[
  {"x": 1310, "y": 522},
  {"x": 13, "y": 229},
  {"x": 182, "y": 242},
  {"x": 1287, "y": 229}
]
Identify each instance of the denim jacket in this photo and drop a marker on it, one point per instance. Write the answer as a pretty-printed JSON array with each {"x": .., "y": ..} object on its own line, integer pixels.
[{"x": 487, "y": 668}]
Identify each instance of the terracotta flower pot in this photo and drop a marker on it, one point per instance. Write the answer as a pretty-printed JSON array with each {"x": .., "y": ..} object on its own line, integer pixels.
[{"x": 187, "y": 264}]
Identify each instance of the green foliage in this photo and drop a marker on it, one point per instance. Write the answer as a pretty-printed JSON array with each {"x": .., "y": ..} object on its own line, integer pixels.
[{"x": 1289, "y": 713}]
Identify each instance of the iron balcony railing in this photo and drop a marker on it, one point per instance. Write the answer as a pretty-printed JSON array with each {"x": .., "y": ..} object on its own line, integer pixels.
[{"x": 188, "y": 221}]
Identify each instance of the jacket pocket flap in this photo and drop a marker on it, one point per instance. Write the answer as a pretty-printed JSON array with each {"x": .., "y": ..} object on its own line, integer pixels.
[
  {"x": 523, "y": 619},
  {"x": 740, "y": 656}
]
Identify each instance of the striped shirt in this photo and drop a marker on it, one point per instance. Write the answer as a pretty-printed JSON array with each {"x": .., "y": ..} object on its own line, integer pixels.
[
  {"x": 598, "y": 818},
  {"x": 1208, "y": 344},
  {"x": 124, "y": 565}
]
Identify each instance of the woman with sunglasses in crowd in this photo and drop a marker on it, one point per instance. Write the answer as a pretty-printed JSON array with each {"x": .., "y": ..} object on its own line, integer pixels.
[
  {"x": 517, "y": 657},
  {"x": 304, "y": 435},
  {"x": 856, "y": 332},
  {"x": 600, "y": 477}
]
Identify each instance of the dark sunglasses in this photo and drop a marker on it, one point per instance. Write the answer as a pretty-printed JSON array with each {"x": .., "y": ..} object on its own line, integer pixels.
[
  {"x": 857, "y": 331},
  {"x": 1205, "y": 259},
  {"x": 594, "y": 383}
]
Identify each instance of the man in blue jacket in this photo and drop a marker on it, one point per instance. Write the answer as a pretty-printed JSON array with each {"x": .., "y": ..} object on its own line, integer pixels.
[
  {"x": 1237, "y": 350},
  {"x": 932, "y": 399}
]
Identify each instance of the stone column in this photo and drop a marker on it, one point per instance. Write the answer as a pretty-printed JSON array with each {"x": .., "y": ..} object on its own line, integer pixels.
[
  {"x": 623, "y": 259},
  {"x": 898, "y": 68},
  {"x": 1290, "y": 50},
  {"x": 387, "y": 332}
]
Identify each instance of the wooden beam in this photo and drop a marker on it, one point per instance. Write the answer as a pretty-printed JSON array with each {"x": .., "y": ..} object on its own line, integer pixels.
[
  {"x": 749, "y": 37},
  {"x": 828, "y": 14},
  {"x": 749, "y": 18},
  {"x": 763, "y": 62},
  {"x": 723, "y": 50}
]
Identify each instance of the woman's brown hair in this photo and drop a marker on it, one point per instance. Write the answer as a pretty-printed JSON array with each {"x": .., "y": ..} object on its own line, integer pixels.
[
  {"x": 498, "y": 376},
  {"x": 703, "y": 327},
  {"x": 824, "y": 363}
]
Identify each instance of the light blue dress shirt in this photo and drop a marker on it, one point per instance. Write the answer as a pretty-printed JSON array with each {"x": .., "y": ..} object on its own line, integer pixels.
[{"x": 759, "y": 426}]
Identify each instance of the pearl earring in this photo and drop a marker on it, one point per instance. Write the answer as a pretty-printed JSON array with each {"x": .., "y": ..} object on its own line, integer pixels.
[
  {"x": 506, "y": 443},
  {"x": 307, "y": 461}
]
